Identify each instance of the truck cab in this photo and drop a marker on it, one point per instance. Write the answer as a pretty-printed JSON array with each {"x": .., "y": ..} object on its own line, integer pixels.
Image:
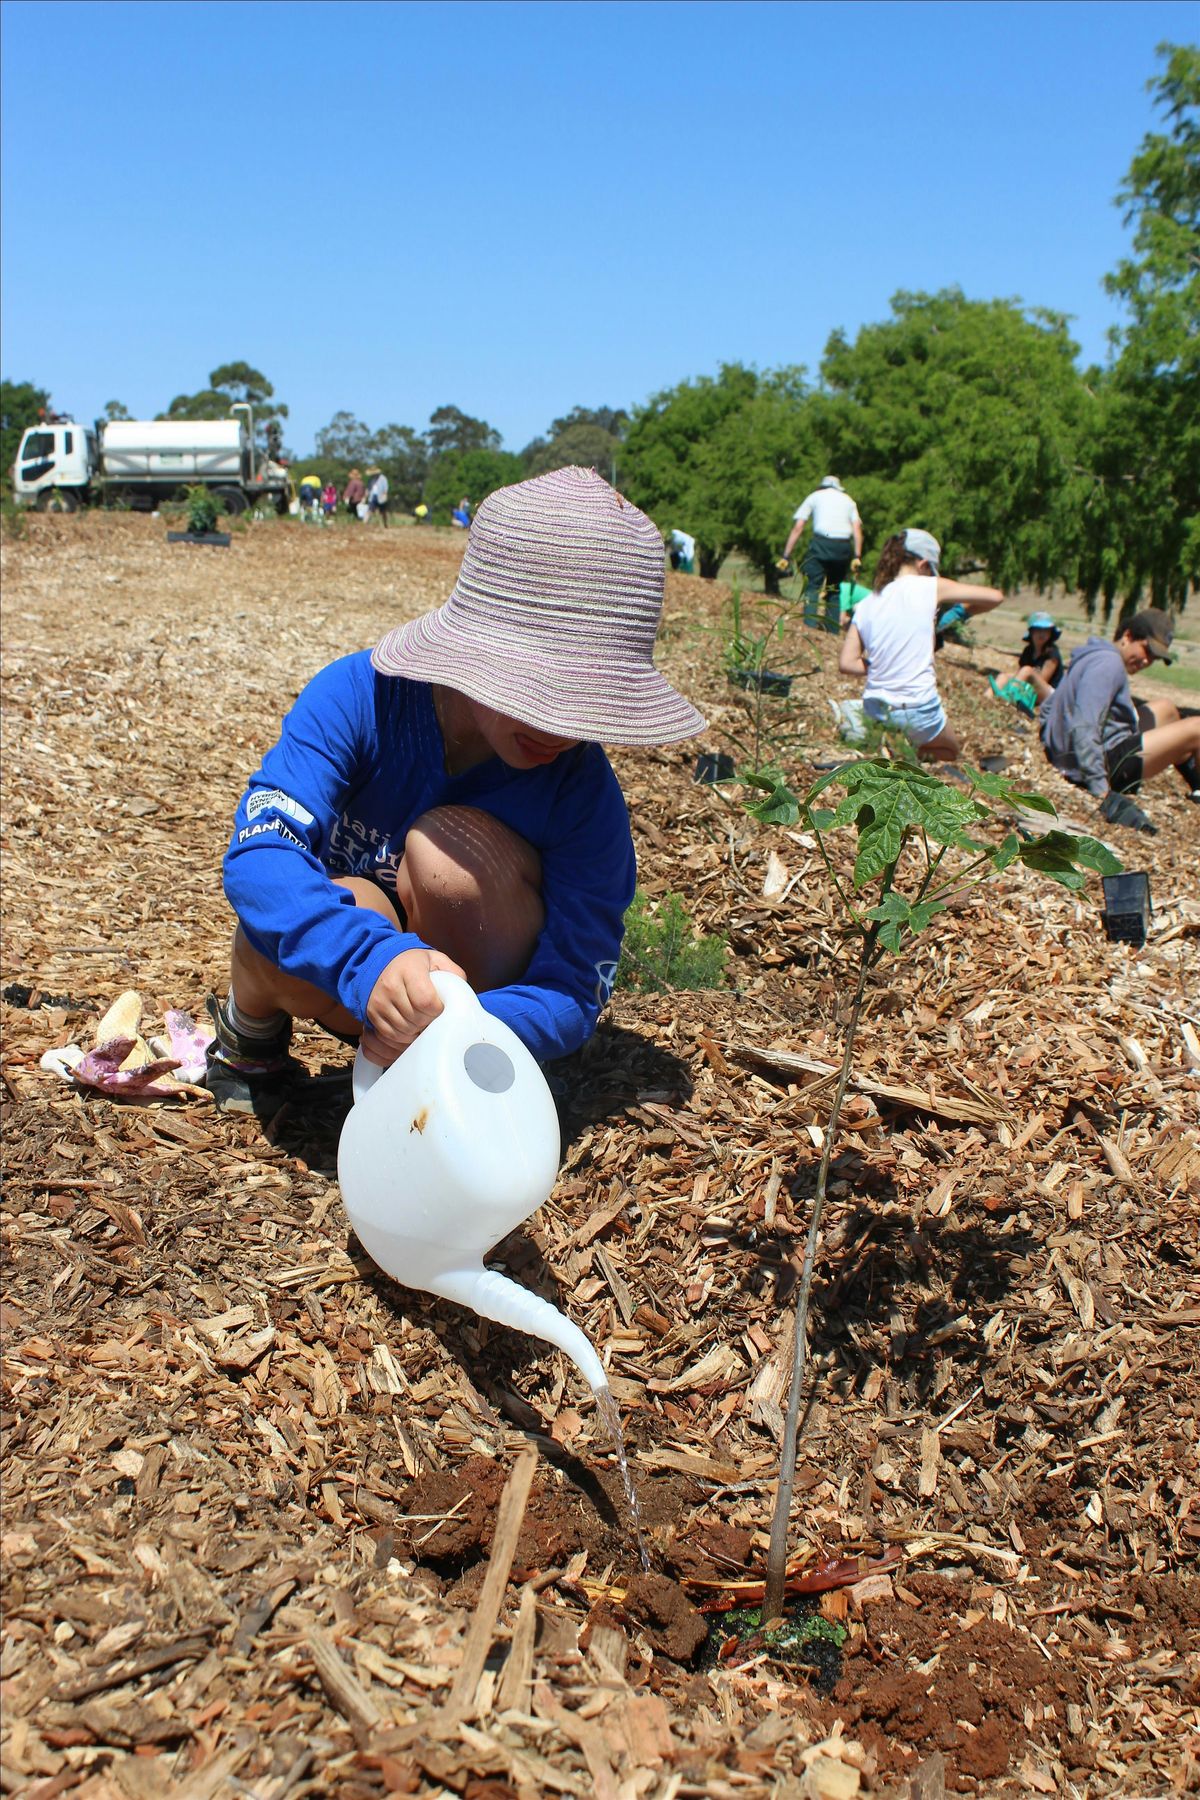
[{"x": 55, "y": 464}]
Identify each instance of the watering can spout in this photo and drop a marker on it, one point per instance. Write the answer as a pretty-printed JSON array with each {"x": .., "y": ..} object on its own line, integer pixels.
[{"x": 495, "y": 1297}]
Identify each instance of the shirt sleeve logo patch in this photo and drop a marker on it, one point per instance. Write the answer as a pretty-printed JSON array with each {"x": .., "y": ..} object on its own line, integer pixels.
[
  {"x": 275, "y": 799},
  {"x": 606, "y": 975},
  {"x": 276, "y": 827}
]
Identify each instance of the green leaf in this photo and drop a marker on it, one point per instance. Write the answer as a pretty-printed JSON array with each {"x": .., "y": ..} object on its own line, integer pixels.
[
  {"x": 1065, "y": 858},
  {"x": 780, "y": 807},
  {"x": 893, "y": 907},
  {"x": 999, "y": 787},
  {"x": 888, "y": 800},
  {"x": 1095, "y": 855},
  {"x": 896, "y": 915},
  {"x": 923, "y": 912},
  {"x": 1008, "y": 852}
]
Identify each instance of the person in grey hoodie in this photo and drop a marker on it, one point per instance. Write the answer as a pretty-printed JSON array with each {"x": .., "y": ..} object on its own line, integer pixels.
[{"x": 1098, "y": 736}]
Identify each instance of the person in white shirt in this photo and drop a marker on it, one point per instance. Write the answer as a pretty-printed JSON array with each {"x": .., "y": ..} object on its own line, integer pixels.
[
  {"x": 891, "y": 641},
  {"x": 681, "y": 548},
  {"x": 834, "y": 549},
  {"x": 377, "y": 496}
]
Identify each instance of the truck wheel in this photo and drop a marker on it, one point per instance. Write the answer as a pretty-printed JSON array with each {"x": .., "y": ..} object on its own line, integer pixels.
[
  {"x": 233, "y": 500},
  {"x": 57, "y": 500}
]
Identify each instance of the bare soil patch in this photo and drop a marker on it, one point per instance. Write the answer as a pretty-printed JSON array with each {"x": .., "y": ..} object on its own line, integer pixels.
[{"x": 251, "y": 1487}]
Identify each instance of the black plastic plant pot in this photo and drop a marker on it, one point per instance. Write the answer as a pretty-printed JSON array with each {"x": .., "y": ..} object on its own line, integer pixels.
[
  {"x": 767, "y": 681},
  {"x": 1126, "y": 907},
  {"x": 220, "y": 540},
  {"x": 713, "y": 766}
]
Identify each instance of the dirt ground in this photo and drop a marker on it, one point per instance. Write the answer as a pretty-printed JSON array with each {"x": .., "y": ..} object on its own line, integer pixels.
[{"x": 255, "y": 1528}]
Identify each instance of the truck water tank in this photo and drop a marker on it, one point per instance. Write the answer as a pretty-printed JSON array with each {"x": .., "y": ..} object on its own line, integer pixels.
[{"x": 173, "y": 449}]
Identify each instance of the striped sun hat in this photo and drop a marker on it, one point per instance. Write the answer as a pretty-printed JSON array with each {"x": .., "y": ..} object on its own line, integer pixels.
[{"x": 553, "y": 616}]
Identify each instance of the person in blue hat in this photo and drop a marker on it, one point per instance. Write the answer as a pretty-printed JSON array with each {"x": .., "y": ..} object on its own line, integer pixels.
[
  {"x": 1040, "y": 666},
  {"x": 1040, "y": 658}
]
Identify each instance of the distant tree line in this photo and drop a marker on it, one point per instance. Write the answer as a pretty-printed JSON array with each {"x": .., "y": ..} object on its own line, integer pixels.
[
  {"x": 458, "y": 456},
  {"x": 970, "y": 417}
]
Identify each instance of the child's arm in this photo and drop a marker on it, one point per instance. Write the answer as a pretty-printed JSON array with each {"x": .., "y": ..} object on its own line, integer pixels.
[
  {"x": 851, "y": 657},
  {"x": 276, "y": 875},
  {"x": 965, "y": 593}
]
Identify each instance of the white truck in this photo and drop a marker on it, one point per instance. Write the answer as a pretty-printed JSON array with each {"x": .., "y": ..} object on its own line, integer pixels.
[{"x": 61, "y": 466}]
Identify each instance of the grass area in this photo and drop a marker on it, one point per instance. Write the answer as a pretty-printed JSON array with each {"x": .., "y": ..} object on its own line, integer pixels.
[{"x": 1179, "y": 675}]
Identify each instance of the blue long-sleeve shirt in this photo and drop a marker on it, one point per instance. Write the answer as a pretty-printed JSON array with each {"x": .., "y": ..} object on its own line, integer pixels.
[{"x": 360, "y": 758}]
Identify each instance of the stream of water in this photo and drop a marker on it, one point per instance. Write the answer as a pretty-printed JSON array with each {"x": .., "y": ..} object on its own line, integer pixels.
[{"x": 606, "y": 1407}]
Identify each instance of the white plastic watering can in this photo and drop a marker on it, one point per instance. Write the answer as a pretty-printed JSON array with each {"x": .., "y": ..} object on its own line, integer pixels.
[{"x": 447, "y": 1151}]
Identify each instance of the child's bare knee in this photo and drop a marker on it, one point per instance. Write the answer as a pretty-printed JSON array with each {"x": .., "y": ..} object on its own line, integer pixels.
[{"x": 460, "y": 854}]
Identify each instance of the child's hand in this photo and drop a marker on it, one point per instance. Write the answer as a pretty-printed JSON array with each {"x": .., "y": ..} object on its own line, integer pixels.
[{"x": 403, "y": 1002}]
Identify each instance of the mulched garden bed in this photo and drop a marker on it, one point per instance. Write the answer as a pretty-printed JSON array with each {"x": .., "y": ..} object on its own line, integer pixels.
[{"x": 255, "y": 1532}]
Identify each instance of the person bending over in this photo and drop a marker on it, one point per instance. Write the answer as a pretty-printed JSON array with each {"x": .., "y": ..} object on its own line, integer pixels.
[
  {"x": 1096, "y": 734},
  {"x": 891, "y": 641},
  {"x": 442, "y": 802}
]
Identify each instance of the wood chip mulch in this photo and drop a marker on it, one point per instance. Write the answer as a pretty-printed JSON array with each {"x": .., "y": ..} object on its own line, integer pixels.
[{"x": 276, "y": 1527}]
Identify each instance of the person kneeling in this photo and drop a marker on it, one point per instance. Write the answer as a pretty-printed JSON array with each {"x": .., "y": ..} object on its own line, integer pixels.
[
  {"x": 892, "y": 638},
  {"x": 442, "y": 802},
  {"x": 1096, "y": 734}
]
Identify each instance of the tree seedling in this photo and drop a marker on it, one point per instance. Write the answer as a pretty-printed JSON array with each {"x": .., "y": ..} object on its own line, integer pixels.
[
  {"x": 745, "y": 660},
  {"x": 662, "y": 950},
  {"x": 204, "y": 508},
  {"x": 922, "y": 845}
]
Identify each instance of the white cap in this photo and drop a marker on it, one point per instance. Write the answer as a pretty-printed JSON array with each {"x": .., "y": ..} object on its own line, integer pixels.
[
  {"x": 833, "y": 482},
  {"x": 923, "y": 544}
]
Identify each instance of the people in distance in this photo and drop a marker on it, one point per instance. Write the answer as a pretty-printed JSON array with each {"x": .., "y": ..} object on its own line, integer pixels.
[{"x": 834, "y": 550}]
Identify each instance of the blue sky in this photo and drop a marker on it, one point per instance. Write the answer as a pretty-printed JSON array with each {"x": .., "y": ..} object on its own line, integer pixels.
[{"x": 516, "y": 208}]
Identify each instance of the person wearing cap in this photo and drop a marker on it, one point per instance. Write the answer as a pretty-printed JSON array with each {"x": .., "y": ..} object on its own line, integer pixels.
[
  {"x": 443, "y": 802},
  {"x": 1096, "y": 734},
  {"x": 834, "y": 549},
  {"x": 377, "y": 496},
  {"x": 891, "y": 641}
]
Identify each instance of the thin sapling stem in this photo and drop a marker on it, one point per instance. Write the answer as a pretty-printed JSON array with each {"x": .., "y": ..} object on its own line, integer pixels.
[{"x": 777, "y": 1553}]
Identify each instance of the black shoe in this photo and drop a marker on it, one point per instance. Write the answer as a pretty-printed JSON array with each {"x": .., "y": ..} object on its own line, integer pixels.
[{"x": 249, "y": 1075}]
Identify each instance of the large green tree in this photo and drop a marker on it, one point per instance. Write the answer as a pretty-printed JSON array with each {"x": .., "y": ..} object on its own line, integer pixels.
[
  {"x": 346, "y": 443},
  {"x": 1140, "y": 535},
  {"x": 451, "y": 431},
  {"x": 668, "y": 463},
  {"x": 21, "y": 405},
  {"x": 473, "y": 473},
  {"x": 233, "y": 381},
  {"x": 586, "y": 438},
  {"x": 722, "y": 458},
  {"x": 962, "y": 416}
]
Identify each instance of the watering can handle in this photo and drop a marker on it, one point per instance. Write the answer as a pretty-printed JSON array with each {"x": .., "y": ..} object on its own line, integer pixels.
[{"x": 455, "y": 994}]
